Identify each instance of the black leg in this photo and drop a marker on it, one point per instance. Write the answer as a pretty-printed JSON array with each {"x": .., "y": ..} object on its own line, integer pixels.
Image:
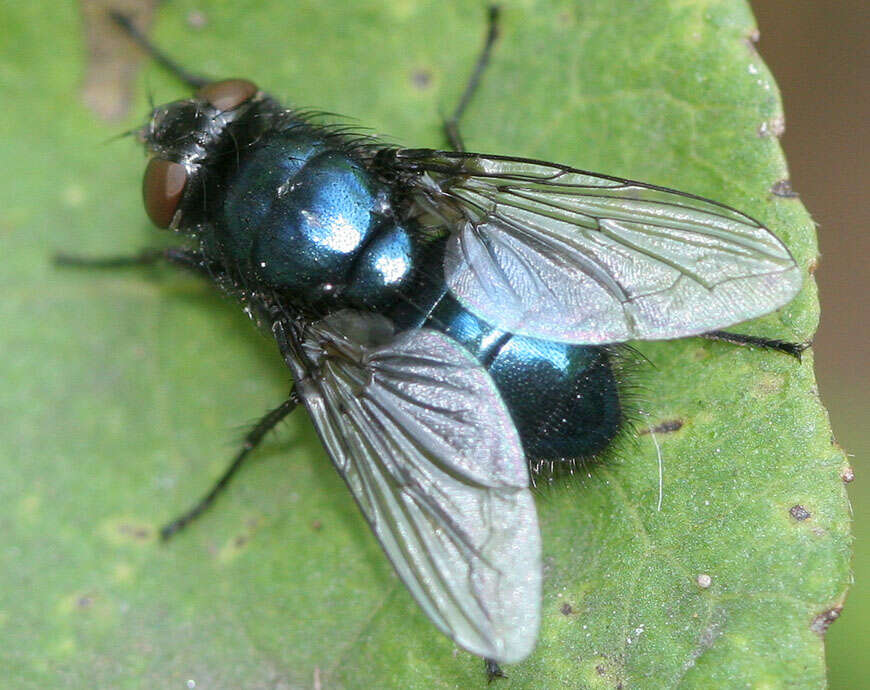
[
  {"x": 147, "y": 257},
  {"x": 493, "y": 670},
  {"x": 451, "y": 124},
  {"x": 194, "y": 81},
  {"x": 793, "y": 349},
  {"x": 269, "y": 421}
]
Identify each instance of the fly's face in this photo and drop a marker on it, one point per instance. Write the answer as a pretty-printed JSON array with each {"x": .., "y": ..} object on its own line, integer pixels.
[{"x": 182, "y": 136}]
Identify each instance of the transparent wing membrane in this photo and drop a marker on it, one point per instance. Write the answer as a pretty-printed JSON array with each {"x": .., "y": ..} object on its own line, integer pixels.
[
  {"x": 420, "y": 434},
  {"x": 565, "y": 255}
]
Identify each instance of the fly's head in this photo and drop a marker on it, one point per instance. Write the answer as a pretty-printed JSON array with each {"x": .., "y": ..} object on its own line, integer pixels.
[{"x": 182, "y": 138}]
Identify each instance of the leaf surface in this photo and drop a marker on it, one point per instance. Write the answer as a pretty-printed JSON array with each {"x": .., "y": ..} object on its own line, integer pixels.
[{"x": 124, "y": 391}]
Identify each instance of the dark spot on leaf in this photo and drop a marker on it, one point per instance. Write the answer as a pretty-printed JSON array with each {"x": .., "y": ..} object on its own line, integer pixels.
[
  {"x": 316, "y": 525},
  {"x": 799, "y": 513},
  {"x": 848, "y": 475},
  {"x": 566, "y": 609},
  {"x": 784, "y": 189},
  {"x": 138, "y": 532},
  {"x": 823, "y": 621},
  {"x": 665, "y": 427},
  {"x": 814, "y": 264},
  {"x": 240, "y": 541},
  {"x": 421, "y": 78},
  {"x": 611, "y": 669},
  {"x": 84, "y": 602}
]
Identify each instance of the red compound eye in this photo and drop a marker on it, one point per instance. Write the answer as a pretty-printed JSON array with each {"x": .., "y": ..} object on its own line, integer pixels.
[
  {"x": 227, "y": 94},
  {"x": 162, "y": 188}
]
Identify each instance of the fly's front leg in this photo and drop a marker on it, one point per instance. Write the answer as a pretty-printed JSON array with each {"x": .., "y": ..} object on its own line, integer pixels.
[
  {"x": 451, "y": 124},
  {"x": 176, "y": 256},
  {"x": 125, "y": 23}
]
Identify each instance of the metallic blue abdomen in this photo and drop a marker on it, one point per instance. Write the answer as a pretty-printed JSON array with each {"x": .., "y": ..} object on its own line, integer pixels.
[
  {"x": 310, "y": 221},
  {"x": 563, "y": 398}
]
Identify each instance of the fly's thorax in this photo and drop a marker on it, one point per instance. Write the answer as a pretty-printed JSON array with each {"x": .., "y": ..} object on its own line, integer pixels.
[{"x": 301, "y": 214}]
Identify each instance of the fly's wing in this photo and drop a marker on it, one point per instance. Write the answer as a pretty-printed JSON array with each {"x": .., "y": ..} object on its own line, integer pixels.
[
  {"x": 426, "y": 445},
  {"x": 561, "y": 254}
]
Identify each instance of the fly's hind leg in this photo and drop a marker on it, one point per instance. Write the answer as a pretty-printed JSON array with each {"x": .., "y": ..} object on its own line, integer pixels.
[
  {"x": 268, "y": 422},
  {"x": 493, "y": 670},
  {"x": 793, "y": 349},
  {"x": 451, "y": 124}
]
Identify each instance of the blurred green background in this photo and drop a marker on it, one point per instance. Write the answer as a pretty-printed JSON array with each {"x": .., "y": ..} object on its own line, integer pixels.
[{"x": 817, "y": 52}]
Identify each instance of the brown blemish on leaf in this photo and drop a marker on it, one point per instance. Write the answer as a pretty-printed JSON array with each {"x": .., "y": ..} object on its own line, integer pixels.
[
  {"x": 421, "y": 78},
  {"x": 112, "y": 59},
  {"x": 137, "y": 532},
  {"x": 608, "y": 669},
  {"x": 699, "y": 354},
  {"x": 83, "y": 603},
  {"x": 848, "y": 475},
  {"x": 316, "y": 525},
  {"x": 823, "y": 621},
  {"x": 126, "y": 530},
  {"x": 768, "y": 383},
  {"x": 667, "y": 427},
  {"x": 783, "y": 189},
  {"x": 813, "y": 265},
  {"x": 799, "y": 513},
  {"x": 566, "y": 609},
  {"x": 235, "y": 545}
]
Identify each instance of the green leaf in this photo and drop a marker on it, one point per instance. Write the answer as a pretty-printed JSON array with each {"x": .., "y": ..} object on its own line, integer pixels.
[{"x": 123, "y": 391}]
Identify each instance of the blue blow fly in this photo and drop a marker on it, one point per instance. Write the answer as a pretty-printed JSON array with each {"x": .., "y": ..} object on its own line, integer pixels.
[{"x": 448, "y": 318}]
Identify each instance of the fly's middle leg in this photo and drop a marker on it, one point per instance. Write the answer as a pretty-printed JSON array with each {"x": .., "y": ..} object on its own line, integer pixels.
[
  {"x": 268, "y": 422},
  {"x": 451, "y": 123}
]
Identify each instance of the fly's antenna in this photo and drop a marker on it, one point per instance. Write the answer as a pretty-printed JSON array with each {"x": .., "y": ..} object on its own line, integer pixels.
[
  {"x": 123, "y": 21},
  {"x": 149, "y": 92},
  {"x": 122, "y": 135}
]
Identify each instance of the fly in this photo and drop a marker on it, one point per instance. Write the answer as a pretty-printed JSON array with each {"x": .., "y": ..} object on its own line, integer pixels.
[{"x": 448, "y": 318}]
